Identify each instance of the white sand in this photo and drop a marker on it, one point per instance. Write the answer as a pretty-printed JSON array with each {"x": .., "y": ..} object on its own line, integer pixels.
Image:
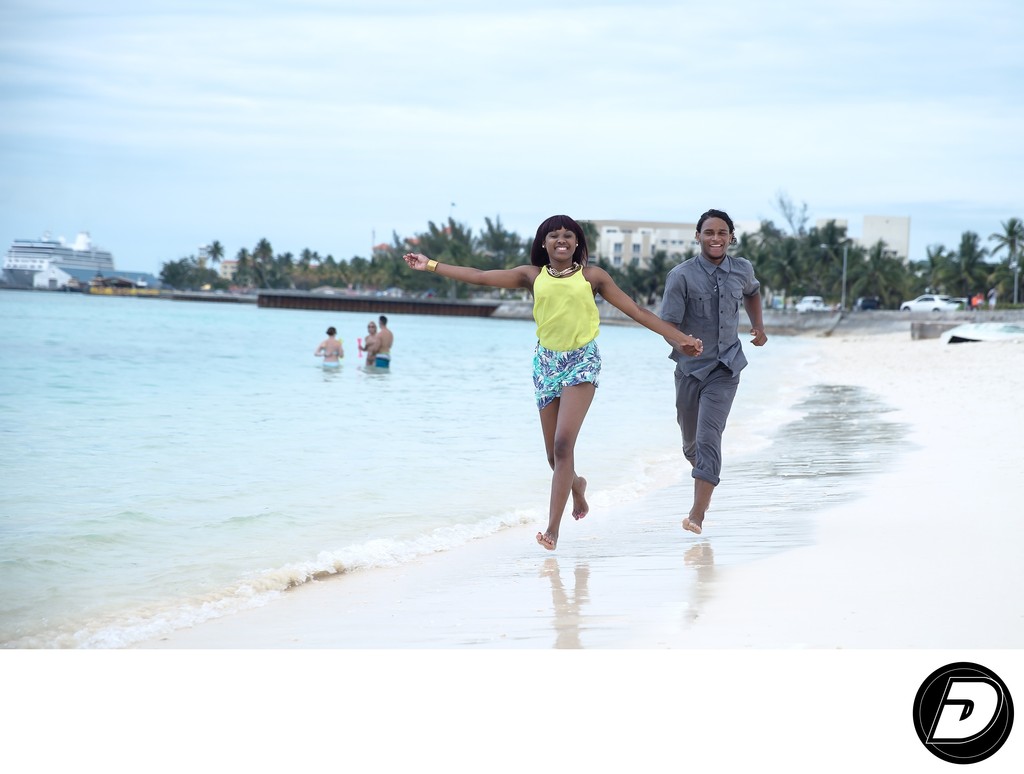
[{"x": 928, "y": 557}]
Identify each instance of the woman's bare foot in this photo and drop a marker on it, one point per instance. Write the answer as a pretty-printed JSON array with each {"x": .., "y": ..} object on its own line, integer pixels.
[
  {"x": 693, "y": 524},
  {"x": 547, "y": 540},
  {"x": 579, "y": 502}
]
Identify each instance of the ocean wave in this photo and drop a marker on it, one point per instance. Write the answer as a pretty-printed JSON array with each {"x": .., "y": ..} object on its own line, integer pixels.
[{"x": 127, "y": 628}]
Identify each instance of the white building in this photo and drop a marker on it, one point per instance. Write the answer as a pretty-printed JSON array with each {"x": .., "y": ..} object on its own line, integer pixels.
[
  {"x": 51, "y": 277},
  {"x": 893, "y": 231}
]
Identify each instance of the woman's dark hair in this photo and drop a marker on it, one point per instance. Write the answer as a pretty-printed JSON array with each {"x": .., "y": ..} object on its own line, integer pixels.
[
  {"x": 539, "y": 256},
  {"x": 716, "y": 214},
  {"x": 331, "y": 331}
]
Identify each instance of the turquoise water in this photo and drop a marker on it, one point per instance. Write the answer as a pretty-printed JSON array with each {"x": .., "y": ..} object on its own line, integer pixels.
[{"x": 168, "y": 462}]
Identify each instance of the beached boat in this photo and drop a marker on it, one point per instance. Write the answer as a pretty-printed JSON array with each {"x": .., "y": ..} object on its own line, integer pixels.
[
  {"x": 985, "y": 331},
  {"x": 120, "y": 286}
]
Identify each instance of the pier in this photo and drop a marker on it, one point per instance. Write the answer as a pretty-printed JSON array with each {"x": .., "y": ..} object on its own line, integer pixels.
[{"x": 328, "y": 302}]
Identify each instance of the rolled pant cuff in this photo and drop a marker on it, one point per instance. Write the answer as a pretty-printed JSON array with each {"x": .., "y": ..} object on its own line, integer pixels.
[{"x": 711, "y": 478}]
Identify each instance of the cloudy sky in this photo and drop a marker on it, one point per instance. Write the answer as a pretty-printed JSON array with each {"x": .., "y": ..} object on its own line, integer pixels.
[{"x": 160, "y": 126}]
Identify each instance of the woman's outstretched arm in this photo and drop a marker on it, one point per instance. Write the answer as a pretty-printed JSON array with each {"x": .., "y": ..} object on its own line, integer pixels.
[
  {"x": 518, "y": 277},
  {"x": 602, "y": 283}
]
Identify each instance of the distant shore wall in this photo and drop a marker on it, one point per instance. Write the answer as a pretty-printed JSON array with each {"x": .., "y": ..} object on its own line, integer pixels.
[
  {"x": 793, "y": 323},
  {"x": 918, "y": 324},
  {"x": 295, "y": 299},
  {"x": 784, "y": 323}
]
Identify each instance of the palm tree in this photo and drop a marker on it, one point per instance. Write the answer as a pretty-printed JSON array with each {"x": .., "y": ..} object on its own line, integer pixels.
[
  {"x": 767, "y": 250},
  {"x": 452, "y": 243},
  {"x": 934, "y": 268},
  {"x": 215, "y": 251},
  {"x": 652, "y": 282},
  {"x": 827, "y": 267},
  {"x": 503, "y": 248},
  {"x": 263, "y": 263},
  {"x": 879, "y": 274},
  {"x": 284, "y": 271},
  {"x": 1011, "y": 240},
  {"x": 966, "y": 270},
  {"x": 972, "y": 258},
  {"x": 359, "y": 272},
  {"x": 780, "y": 268},
  {"x": 388, "y": 270},
  {"x": 590, "y": 233},
  {"x": 245, "y": 274},
  {"x": 334, "y": 273}
]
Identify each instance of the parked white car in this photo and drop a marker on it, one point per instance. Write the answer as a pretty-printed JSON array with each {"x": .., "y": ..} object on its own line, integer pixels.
[
  {"x": 811, "y": 304},
  {"x": 930, "y": 303}
]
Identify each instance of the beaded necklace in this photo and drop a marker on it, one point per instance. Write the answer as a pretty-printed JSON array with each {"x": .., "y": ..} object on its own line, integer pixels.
[{"x": 564, "y": 272}]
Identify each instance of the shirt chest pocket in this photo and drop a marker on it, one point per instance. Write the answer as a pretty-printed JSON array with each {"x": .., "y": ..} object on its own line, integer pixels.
[
  {"x": 702, "y": 306},
  {"x": 732, "y": 301}
]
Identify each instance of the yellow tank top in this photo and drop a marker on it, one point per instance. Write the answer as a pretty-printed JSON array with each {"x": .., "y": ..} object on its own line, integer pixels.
[{"x": 565, "y": 311}]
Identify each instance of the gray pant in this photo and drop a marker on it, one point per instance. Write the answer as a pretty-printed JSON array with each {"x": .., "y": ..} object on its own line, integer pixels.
[{"x": 702, "y": 408}]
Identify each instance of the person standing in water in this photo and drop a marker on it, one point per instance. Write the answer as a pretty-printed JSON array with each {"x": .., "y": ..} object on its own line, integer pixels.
[
  {"x": 703, "y": 295},
  {"x": 331, "y": 349},
  {"x": 369, "y": 344},
  {"x": 385, "y": 340},
  {"x": 567, "y": 362}
]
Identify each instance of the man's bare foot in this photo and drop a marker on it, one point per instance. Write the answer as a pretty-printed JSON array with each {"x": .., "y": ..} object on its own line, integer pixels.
[
  {"x": 579, "y": 503},
  {"x": 547, "y": 540},
  {"x": 693, "y": 525}
]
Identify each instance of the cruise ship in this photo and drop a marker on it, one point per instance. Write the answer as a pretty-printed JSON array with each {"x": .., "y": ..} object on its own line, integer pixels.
[{"x": 40, "y": 263}]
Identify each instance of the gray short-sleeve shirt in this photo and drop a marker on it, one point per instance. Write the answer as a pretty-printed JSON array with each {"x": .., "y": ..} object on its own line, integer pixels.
[{"x": 704, "y": 301}]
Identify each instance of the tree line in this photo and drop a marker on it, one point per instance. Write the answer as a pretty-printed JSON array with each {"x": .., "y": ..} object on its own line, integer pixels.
[{"x": 791, "y": 260}]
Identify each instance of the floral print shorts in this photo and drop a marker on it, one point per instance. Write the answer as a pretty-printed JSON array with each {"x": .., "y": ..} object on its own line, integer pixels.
[{"x": 553, "y": 371}]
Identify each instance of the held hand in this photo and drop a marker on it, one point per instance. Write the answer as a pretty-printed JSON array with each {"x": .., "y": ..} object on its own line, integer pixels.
[
  {"x": 691, "y": 346},
  {"x": 416, "y": 261},
  {"x": 758, "y": 337}
]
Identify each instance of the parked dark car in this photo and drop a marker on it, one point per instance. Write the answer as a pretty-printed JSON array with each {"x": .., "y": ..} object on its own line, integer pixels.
[{"x": 865, "y": 303}]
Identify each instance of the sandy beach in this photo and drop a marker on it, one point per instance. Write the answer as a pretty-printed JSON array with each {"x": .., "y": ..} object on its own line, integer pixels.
[{"x": 925, "y": 556}]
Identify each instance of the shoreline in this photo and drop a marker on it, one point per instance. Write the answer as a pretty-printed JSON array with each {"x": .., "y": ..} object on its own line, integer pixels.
[{"x": 907, "y": 542}]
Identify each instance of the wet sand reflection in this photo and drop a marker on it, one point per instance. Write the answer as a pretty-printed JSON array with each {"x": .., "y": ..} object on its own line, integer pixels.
[
  {"x": 701, "y": 557},
  {"x": 567, "y": 605}
]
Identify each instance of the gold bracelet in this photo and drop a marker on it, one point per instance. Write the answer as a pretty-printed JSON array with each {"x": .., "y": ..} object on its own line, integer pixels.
[{"x": 431, "y": 264}]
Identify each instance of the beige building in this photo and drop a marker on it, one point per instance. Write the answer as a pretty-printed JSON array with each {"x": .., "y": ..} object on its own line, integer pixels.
[
  {"x": 625, "y": 243},
  {"x": 227, "y": 269}
]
